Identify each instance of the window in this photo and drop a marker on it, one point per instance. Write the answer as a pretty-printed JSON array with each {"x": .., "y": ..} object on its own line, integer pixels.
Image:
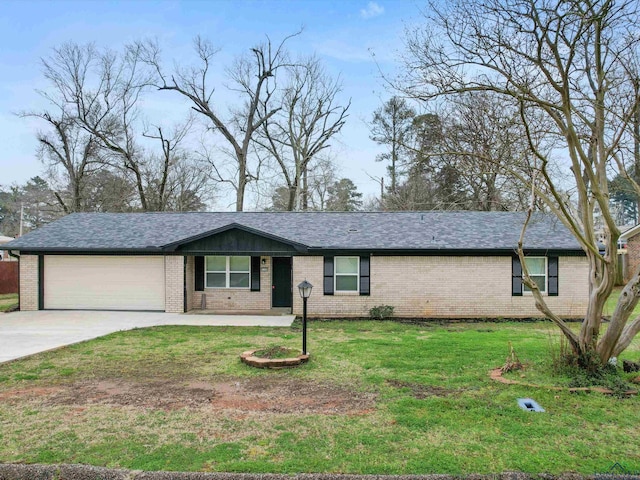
[
  {"x": 347, "y": 274},
  {"x": 227, "y": 272},
  {"x": 537, "y": 268}
]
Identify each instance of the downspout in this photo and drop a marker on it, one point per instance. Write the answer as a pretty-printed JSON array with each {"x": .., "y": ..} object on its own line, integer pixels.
[{"x": 17, "y": 257}]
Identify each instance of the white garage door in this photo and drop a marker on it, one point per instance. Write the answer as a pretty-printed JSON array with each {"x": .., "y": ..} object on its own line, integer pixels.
[{"x": 103, "y": 282}]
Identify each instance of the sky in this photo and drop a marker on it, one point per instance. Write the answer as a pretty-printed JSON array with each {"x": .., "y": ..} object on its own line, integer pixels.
[{"x": 356, "y": 40}]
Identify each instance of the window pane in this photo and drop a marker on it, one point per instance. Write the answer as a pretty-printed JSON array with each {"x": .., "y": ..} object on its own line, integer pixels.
[
  {"x": 540, "y": 281},
  {"x": 348, "y": 283},
  {"x": 239, "y": 280},
  {"x": 536, "y": 266},
  {"x": 346, "y": 264},
  {"x": 240, "y": 264},
  {"x": 216, "y": 264},
  {"x": 216, "y": 280}
]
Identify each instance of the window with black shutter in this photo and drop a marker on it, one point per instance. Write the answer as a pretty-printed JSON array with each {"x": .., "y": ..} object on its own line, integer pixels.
[
  {"x": 365, "y": 267},
  {"x": 199, "y": 273},
  {"x": 542, "y": 270},
  {"x": 328, "y": 275}
]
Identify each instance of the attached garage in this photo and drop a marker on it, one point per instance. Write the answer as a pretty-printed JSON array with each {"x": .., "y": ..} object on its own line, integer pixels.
[{"x": 96, "y": 282}]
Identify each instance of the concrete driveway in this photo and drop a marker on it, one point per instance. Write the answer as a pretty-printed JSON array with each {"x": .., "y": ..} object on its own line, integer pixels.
[{"x": 26, "y": 333}]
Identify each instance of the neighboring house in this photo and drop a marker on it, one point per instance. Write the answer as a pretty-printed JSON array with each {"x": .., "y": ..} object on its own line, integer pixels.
[
  {"x": 631, "y": 240},
  {"x": 4, "y": 255},
  {"x": 425, "y": 264}
]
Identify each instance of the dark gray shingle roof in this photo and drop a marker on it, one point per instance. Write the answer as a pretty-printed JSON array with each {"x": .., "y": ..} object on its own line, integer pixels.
[{"x": 330, "y": 230}]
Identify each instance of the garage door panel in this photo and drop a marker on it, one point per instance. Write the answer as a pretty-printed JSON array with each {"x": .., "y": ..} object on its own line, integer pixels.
[{"x": 104, "y": 282}]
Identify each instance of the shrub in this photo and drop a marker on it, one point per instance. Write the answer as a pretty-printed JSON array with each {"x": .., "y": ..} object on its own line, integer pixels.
[
  {"x": 381, "y": 312},
  {"x": 587, "y": 370}
]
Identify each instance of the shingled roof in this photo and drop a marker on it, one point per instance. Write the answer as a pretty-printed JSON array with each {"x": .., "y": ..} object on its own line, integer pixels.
[{"x": 312, "y": 231}]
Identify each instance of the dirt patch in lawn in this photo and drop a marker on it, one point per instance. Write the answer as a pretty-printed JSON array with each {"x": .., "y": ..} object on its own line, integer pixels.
[
  {"x": 420, "y": 392},
  {"x": 243, "y": 395}
]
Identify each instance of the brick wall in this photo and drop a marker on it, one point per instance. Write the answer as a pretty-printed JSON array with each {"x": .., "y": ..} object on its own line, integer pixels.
[
  {"x": 174, "y": 284},
  {"x": 29, "y": 282},
  {"x": 633, "y": 257},
  {"x": 239, "y": 299},
  {"x": 443, "y": 287}
]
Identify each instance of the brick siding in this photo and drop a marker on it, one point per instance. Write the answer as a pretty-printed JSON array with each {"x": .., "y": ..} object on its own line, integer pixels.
[
  {"x": 238, "y": 299},
  {"x": 441, "y": 287},
  {"x": 29, "y": 282},
  {"x": 633, "y": 257},
  {"x": 174, "y": 284}
]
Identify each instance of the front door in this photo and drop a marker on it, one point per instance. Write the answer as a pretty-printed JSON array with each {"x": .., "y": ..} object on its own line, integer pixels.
[{"x": 281, "y": 282}]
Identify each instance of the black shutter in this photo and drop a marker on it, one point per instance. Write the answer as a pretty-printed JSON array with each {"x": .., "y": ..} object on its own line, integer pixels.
[
  {"x": 199, "y": 273},
  {"x": 328, "y": 275},
  {"x": 552, "y": 271},
  {"x": 516, "y": 277},
  {"x": 255, "y": 274},
  {"x": 365, "y": 265}
]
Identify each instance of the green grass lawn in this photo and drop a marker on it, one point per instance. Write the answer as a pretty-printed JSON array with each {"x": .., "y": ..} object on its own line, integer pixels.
[
  {"x": 376, "y": 398},
  {"x": 610, "y": 306},
  {"x": 7, "y": 301}
]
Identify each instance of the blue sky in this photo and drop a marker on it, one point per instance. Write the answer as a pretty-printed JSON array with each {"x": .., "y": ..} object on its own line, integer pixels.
[{"x": 343, "y": 33}]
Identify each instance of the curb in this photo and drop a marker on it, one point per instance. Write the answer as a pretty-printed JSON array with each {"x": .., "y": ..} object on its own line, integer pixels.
[{"x": 10, "y": 471}]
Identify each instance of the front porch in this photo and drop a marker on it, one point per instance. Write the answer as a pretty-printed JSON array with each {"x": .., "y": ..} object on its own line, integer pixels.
[{"x": 236, "y": 270}]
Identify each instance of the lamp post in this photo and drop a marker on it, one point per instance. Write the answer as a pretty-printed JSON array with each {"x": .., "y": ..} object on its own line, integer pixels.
[{"x": 305, "y": 292}]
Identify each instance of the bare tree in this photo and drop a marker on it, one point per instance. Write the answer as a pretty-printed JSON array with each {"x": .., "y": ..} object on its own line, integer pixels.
[
  {"x": 252, "y": 79},
  {"x": 67, "y": 147},
  {"x": 568, "y": 63},
  {"x": 322, "y": 174},
  {"x": 173, "y": 175},
  {"x": 100, "y": 91},
  {"x": 103, "y": 88},
  {"x": 309, "y": 119},
  {"x": 480, "y": 126}
]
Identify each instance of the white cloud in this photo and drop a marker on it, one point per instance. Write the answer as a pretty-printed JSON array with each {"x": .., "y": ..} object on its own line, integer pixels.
[{"x": 372, "y": 10}]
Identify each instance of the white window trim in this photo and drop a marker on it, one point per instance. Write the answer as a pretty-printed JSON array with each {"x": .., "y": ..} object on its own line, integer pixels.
[
  {"x": 546, "y": 278},
  {"x": 227, "y": 273},
  {"x": 336, "y": 275}
]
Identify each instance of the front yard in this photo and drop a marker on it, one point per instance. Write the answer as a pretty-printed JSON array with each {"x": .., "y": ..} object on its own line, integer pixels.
[
  {"x": 8, "y": 301},
  {"x": 377, "y": 397}
]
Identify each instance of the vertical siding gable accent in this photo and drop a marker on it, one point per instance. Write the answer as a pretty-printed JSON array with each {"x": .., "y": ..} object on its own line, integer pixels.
[
  {"x": 328, "y": 275},
  {"x": 516, "y": 277},
  {"x": 365, "y": 284},
  {"x": 199, "y": 273},
  {"x": 552, "y": 267},
  {"x": 255, "y": 274}
]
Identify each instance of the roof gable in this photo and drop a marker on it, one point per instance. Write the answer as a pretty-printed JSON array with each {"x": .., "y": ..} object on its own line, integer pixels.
[{"x": 236, "y": 239}]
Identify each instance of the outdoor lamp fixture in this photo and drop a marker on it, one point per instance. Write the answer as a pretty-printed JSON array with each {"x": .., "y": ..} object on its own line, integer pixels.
[{"x": 305, "y": 292}]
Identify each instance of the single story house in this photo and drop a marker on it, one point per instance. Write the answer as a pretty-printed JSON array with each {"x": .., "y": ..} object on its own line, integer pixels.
[
  {"x": 4, "y": 256},
  {"x": 631, "y": 240},
  {"x": 425, "y": 264}
]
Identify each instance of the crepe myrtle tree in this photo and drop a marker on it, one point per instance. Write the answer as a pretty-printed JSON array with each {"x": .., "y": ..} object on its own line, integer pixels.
[{"x": 570, "y": 69}]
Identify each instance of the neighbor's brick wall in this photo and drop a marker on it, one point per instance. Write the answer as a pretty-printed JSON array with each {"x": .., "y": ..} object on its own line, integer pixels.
[
  {"x": 233, "y": 299},
  {"x": 28, "y": 282},
  {"x": 427, "y": 287},
  {"x": 633, "y": 257},
  {"x": 174, "y": 284}
]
